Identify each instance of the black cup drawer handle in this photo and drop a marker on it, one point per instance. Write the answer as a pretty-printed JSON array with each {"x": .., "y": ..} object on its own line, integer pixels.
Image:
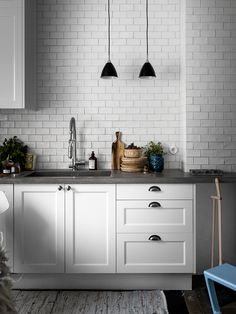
[
  {"x": 154, "y": 188},
  {"x": 154, "y": 237},
  {"x": 154, "y": 204}
]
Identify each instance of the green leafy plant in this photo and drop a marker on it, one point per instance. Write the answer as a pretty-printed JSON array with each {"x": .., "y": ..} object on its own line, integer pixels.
[
  {"x": 153, "y": 148},
  {"x": 13, "y": 149}
]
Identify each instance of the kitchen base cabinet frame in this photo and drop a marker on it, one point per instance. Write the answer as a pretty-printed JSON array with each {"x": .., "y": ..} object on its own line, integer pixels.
[
  {"x": 109, "y": 242},
  {"x": 105, "y": 281},
  {"x": 156, "y": 228}
]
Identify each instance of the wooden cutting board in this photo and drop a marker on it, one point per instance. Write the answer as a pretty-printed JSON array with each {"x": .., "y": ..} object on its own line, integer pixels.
[{"x": 118, "y": 148}]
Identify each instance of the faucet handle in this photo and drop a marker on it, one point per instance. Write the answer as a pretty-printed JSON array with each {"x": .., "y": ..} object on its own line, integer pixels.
[
  {"x": 77, "y": 164},
  {"x": 80, "y": 163}
]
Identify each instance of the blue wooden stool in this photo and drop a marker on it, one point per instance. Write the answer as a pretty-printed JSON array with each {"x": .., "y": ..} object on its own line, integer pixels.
[{"x": 224, "y": 274}]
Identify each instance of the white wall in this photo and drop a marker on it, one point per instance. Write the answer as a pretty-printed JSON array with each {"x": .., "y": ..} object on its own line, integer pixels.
[
  {"x": 72, "y": 50},
  {"x": 204, "y": 224},
  {"x": 190, "y": 104},
  {"x": 210, "y": 80}
]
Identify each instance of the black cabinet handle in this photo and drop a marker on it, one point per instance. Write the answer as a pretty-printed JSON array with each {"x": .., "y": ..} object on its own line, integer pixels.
[
  {"x": 154, "y": 204},
  {"x": 154, "y": 188},
  {"x": 154, "y": 237},
  {"x": 68, "y": 188},
  {"x": 60, "y": 188}
]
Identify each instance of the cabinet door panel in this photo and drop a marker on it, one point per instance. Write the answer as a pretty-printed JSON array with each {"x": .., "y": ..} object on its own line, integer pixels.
[
  {"x": 11, "y": 57},
  {"x": 90, "y": 225},
  {"x": 137, "y": 254},
  {"x": 39, "y": 229},
  {"x": 167, "y": 216}
]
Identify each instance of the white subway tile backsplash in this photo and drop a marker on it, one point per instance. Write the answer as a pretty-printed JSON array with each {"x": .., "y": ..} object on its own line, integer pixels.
[{"x": 72, "y": 50}]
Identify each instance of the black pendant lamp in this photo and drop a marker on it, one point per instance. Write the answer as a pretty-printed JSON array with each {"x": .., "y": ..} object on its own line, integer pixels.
[
  {"x": 109, "y": 70},
  {"x": 147, "y": 70}
]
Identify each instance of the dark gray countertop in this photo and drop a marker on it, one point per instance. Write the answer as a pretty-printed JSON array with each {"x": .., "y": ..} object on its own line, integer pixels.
[{"x": 167, "y": 176}]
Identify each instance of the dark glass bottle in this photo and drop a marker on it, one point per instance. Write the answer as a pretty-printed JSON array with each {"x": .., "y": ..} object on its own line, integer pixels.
[{"x": 92, "y": 162}]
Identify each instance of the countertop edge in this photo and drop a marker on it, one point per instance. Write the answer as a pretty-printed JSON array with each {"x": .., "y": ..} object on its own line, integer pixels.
[{"x": 118, "y": 177}]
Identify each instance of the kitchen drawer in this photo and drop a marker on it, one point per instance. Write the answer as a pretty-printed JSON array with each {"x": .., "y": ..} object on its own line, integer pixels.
[
  {"x": 154, "y": 191},
  {"x": 140, "y": 216},
  {"x": 172, "y": 254}
]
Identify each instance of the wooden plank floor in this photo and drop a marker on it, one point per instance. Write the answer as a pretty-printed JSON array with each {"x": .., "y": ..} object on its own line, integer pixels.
[
  {"x": 89, "y": 302},
  {"x": 197, "y": 302}
]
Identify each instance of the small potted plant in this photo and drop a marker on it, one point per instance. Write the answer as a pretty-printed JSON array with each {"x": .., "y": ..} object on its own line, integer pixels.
[
  {"x": 13, "y": 151},
  {"x": 154, "y": 153}
]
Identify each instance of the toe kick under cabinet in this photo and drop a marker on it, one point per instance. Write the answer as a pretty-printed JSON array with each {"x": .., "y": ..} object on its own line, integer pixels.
[{"x": 155, "y": 229}]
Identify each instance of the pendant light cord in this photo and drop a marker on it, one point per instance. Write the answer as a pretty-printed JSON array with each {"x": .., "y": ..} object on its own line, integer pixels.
[
  {"x": 146, "y": 26},
  {"x": 109, "y": 26}
]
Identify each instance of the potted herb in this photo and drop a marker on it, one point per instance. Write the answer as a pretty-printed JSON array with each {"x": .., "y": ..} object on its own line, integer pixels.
[
  {"x": 13, "y": 151},
  {"x": 155, "y": 152}
]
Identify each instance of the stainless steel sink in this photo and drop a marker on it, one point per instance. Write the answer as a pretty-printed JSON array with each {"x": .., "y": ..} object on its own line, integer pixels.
[{"x": 70, "y": 173}]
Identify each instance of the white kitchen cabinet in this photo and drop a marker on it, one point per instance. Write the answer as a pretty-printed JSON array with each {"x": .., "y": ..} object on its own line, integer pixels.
[
  {"x": 17, "y": 54},
  {"x": 90, "y": 228},
  {"x": 38, "y": 228},
  {"x": 138, "y": 216},
  {"x": 155, "y": 228},
  {"x": 119, "y": 233},
  {"x": 6, "y": 224},
  {"x": 104, "y": 232},
  {"x": 154, "y": 191},
  {"x": 137, "y": 253}
]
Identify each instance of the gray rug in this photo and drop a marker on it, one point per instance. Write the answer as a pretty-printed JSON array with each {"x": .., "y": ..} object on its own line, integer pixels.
[{"x": 91, "y": 302}]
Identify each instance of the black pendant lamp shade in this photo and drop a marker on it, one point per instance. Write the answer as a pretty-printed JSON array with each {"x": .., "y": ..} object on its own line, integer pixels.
[
  {"x": 147, "y": 70},
  {"x": 109, "y": 70}
]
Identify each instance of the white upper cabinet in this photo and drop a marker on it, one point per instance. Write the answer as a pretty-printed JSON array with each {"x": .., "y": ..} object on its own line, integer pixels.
[{"x": 17, "y": 54}]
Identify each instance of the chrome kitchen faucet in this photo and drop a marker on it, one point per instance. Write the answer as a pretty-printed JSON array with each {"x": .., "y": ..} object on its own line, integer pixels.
[{"x": 72, "y": 154}]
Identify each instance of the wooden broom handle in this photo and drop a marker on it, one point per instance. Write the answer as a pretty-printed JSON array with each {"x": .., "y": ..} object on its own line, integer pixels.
[{"x": 217, "y": 183}]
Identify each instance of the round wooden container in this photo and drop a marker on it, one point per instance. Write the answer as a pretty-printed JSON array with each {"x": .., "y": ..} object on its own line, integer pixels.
[{"x": 133, "y": 153}]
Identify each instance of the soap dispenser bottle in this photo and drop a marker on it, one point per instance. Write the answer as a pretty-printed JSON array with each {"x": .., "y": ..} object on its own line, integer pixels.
[{"x": 92, "y": 162}]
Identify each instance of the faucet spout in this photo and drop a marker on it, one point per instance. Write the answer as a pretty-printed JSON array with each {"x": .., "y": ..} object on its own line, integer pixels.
[
  {"x": 72, "y": 150},
  {"x": 72, "y": 129}
]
